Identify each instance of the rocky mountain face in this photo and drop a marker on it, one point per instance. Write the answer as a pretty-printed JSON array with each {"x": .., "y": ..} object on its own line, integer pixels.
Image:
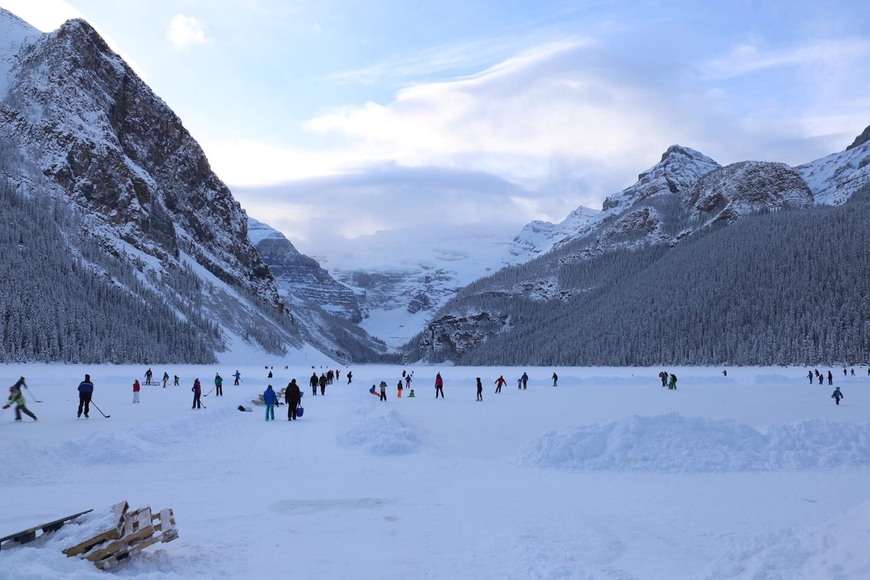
[
  {"x": 685, "y": 194},
  {"x": 80, "y": 128},
  {"x": 301, "y": 276},
  {"x": 120, "y": 153}
]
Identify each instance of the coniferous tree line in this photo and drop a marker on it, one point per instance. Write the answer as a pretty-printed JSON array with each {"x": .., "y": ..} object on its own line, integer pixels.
[
  {"x": 65, "y": 298},
  {"x": 788, "y": 287}
]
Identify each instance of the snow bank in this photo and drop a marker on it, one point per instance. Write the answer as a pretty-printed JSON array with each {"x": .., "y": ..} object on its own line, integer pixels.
[
  {"x": 826, "y": 551},
  {"x": 673, "y": 443},
  {"x": 379, "y": 430}
]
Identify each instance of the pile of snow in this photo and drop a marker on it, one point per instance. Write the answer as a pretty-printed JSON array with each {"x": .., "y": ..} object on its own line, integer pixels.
[
  {"x": 381, "y": 430},
  {"x": 673, "y": 443}
]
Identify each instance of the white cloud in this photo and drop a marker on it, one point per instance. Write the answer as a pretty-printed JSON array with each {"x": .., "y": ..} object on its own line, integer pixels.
[
  {"x": 513, "y": 119},
  {"x": 185, "y": 31},
  {"x": 746, "y": 58}
]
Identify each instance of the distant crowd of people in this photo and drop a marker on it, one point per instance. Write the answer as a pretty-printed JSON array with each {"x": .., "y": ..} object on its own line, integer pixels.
[{"x": 292, "y": 393}]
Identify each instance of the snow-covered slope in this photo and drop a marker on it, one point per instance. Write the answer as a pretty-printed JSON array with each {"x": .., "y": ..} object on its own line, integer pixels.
[
  {"x": 14, "y": 33},
  {"x": 833, "y": 179},
  {"x": 539, "y": 237},
  {"x": 402, "y": 276}
]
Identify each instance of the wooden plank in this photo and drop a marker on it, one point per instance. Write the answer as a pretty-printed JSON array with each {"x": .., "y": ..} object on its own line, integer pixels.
[
  {"x": 119, "y": 510},
  {"x": 119, "y": 557},
  {"x": 29, "y": 534},
  {"x": 167, "y": 525},
  {"x": 137, "y": 526}
]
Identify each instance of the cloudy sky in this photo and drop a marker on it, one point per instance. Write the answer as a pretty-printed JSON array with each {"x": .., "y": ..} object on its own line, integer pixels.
[{"x": 343, "y": 117}]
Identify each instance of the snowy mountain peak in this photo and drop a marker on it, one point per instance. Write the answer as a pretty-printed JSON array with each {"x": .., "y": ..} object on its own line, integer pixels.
[{"x": 678, "y": 170}]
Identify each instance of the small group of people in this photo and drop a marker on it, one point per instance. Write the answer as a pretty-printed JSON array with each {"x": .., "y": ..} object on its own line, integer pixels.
[
  {"x": 669, "y": 380},
  {"x": 292, "y": 398},
  {"x": 149, "y": 375},
  {"x": 821, "y": 377}
]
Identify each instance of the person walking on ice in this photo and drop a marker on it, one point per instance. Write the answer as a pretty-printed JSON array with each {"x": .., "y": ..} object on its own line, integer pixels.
[
  {"x": 17, "y": 398},
  {"x": 238, "y": 377},
  {"x": 292, "y": 396},
  {"x": 837, "y": 395},
  {"x": 165, "y": 379},
  {"x": 479, "y": 390},
  {"x": 439, "y": 385},
  {"x": 383, "y": 390},
  {"x": 136, "y": 388},
  {"x": 555, "y": 379},
  {"x": 673, "y": 382},
  {"x": 270, "y": 398},
  {"x": 525, "y": 379}
]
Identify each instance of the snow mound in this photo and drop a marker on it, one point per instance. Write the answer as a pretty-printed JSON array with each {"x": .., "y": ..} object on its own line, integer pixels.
[
  {"x": 380, "y": 430},
  {"x": 672, "y": 443},
  {"x": 825, "y": 551}
]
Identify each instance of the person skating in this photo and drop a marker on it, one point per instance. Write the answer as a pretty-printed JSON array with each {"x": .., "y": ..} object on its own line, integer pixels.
[
  {"x": 525, "y": 379},
  {"x": 837, "y": 395},
  {"x": 408, "y": 381},
  {"x": 165, "y": 379},
  {"x": 270, "y": 398},
  {"x": 479, "y": 390},
  {"x": 439, "y": 385},
  {"x": 499, "y": 383},
  {"x": 16, "y": 397},
  {"x": 218, "y": 385},
  {"x": 237, "y": 377},
  {"x": 86, "y": 391},
  {"x": 673, "y": 382},
  {"x": 175, "y": 380},
  {"x": 197, "y": 393},
  {"x": 312, "y": 382},
  {"x": 349, "y": 376},
  {"x": 136, "y": 389},
  {"x": 555, "y": 379},
  {"x": 148, "y": 375},
  {"x": 830, "y": 378},
  {"x": 383, "y": 390},
  {"x": 292, "y": 396},
  {"x": 664, "y": 378},
  {"x": 810, "y": 376}
]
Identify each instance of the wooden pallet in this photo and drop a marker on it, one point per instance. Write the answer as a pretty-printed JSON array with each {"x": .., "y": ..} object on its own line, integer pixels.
[
  {"x": 29, "y": 534},
  {"x": 134, "y": 530},
  {"x": 119, "y": 510}
]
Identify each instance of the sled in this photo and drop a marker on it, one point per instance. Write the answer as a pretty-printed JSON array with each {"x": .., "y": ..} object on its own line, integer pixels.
[{"x": 29, "y": 534}]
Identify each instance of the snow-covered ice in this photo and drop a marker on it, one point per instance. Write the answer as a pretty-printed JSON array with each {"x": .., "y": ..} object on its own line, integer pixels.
[{"x": 754, "y": 475}]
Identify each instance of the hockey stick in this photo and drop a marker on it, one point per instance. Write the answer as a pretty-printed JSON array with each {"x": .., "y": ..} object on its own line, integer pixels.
[
  {"x": 208, "y": 393},
  {"x": 35, "y": 400},
  {"x": 100, "y": 410}
]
